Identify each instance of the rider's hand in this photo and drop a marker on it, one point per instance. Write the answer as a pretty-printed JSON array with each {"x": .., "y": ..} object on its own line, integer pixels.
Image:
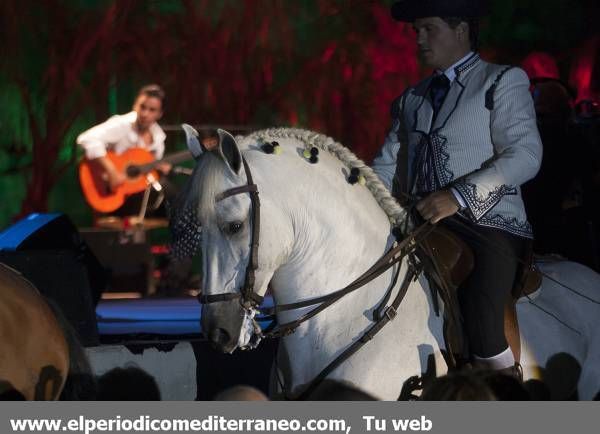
[{"x": 437, "y": 206}]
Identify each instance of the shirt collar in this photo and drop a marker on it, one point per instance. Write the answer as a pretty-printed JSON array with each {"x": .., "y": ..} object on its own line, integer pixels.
[
  {"x": 451, "y": 71},
  {"x": 158, "y": 135}
]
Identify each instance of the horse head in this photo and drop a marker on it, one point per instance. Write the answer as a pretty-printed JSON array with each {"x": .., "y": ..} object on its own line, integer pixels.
[{"x": 223, "y": 209}]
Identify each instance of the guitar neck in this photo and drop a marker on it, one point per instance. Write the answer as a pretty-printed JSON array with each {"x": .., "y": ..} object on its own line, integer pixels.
[{"x": 176, "y": 158}]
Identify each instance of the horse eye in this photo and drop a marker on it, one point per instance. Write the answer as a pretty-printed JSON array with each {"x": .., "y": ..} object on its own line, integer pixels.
[{"x": 234, "y": 227}]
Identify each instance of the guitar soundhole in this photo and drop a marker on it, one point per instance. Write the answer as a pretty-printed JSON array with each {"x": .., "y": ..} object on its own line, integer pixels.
[{"x": 132, "y": 171}]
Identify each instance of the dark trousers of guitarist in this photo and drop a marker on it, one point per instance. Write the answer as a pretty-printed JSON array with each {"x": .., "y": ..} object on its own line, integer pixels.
[{"x": 483, "y": 295}]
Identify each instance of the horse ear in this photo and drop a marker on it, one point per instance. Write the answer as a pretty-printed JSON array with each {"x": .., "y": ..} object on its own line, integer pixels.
[
  {"x": 229, "y": 151},
  {"x": 193, "y": 144}
]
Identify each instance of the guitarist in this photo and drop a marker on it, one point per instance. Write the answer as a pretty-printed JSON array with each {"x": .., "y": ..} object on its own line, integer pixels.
[{"x": 136, "y": 129}]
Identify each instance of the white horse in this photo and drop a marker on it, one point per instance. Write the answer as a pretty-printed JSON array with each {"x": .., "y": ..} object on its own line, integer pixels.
[{"x": 318, "y": 233}]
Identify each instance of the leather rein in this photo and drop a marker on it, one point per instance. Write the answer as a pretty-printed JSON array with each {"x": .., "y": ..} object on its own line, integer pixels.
[{"x": 383, "y": 313}]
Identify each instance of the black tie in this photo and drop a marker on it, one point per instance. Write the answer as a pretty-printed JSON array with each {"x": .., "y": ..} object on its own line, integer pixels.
[
  {"x": 439, "y": 89},
  {"x": 425, "y": 179}
]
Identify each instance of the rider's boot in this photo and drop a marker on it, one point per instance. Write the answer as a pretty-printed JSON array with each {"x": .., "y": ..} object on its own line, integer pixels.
[{"x": 515, "y": 371}]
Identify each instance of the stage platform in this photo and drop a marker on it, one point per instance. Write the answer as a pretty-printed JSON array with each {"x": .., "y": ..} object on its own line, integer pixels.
[
  {"x": 163, "y": 336},
  {"x": 127, "y": 318},
  {"x": 152, "y": 317}
]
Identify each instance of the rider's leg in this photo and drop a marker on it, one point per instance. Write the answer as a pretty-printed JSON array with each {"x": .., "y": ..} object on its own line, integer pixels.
[{"x": 483, "y": 295}]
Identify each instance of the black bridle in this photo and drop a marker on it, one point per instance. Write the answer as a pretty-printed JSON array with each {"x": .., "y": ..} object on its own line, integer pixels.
[
  {"x": 248, "y": 297},
  {"x": 383, "y": 313}
]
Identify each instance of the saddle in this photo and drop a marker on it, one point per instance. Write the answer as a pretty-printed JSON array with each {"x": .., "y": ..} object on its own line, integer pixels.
[
  {"x": 528, "y": 280},
  {"x": 447, "y": 262}
]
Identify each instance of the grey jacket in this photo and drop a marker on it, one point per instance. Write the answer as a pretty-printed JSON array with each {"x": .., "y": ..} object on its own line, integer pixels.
[{"x": 484, "y": 143}]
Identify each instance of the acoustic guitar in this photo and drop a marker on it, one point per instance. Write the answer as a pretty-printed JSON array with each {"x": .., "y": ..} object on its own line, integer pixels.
[{"x": 136, "y": 163}]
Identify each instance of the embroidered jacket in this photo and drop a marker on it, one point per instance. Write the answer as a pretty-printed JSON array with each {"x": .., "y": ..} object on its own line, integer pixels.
[{"x": 484, "y": 143}]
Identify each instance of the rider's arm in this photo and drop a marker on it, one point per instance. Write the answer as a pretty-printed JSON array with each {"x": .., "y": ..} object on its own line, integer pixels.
[{"x": 517, "y": 147}]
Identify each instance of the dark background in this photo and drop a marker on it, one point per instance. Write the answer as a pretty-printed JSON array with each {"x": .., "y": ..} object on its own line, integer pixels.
[{"x": 328, "y": 65}]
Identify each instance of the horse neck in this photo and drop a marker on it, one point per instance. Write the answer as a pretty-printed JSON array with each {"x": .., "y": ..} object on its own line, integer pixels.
[
  {"x": 326, "y": 233},
  {"x": 337, "y": 231},
  {"x": 330, "y": 251}
]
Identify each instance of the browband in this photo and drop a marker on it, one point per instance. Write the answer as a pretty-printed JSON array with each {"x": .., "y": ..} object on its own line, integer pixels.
[{"x": 251, "y": 188}]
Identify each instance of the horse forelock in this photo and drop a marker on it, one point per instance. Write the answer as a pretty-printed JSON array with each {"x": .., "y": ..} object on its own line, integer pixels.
[{"x": 205, "y": 184}]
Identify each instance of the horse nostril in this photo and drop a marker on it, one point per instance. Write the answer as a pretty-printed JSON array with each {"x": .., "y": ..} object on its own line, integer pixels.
[{"x": 219, "y": 337}]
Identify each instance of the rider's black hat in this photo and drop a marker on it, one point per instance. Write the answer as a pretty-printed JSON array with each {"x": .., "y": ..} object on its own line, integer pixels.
[{"x": 410, "y": 10}]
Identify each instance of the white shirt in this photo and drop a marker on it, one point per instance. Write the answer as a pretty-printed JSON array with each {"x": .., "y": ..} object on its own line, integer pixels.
[
  {"x": 451, "y": 71},
  {"x": 118, "y": 135}
]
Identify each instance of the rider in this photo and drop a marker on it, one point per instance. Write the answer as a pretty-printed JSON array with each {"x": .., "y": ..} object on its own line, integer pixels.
[{"x": 462, "y": 141}]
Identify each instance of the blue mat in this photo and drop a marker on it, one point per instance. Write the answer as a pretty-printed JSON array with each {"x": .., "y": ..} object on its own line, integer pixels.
[{"x": 163, "y": 316}]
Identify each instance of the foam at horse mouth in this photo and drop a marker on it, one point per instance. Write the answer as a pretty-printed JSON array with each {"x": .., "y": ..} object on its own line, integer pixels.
[{"x": 249, "y": 335}]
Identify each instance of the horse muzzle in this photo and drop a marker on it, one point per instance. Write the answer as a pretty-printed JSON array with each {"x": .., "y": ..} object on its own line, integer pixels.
[{"x": 222, "y": 324}]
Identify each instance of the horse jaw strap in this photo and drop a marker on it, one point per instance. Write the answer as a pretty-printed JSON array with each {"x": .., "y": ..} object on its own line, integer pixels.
[{"x": 249, "y": 297}]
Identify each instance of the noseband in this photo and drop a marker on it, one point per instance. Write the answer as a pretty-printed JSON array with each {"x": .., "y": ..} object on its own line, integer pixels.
[{"x": 248, "y": 297}]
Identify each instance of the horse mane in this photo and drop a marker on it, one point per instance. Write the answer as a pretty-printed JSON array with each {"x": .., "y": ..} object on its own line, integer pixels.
[
  {"x": 205, "y": 174},
  {"x": 395, "y": 212}
]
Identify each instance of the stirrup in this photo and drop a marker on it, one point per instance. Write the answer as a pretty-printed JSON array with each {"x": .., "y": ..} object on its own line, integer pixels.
[{"x": 515, "y": 371}]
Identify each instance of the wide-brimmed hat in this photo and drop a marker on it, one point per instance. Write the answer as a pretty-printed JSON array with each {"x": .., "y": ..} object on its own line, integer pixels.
[{"x": 409, "y": 10}]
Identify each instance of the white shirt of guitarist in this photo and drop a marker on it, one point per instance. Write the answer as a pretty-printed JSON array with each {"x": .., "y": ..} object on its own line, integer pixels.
[{"x": 118, "y": 135}]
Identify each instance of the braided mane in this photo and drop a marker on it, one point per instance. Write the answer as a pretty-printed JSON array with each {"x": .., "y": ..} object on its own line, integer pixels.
[{"x": 395, "y": 212}]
